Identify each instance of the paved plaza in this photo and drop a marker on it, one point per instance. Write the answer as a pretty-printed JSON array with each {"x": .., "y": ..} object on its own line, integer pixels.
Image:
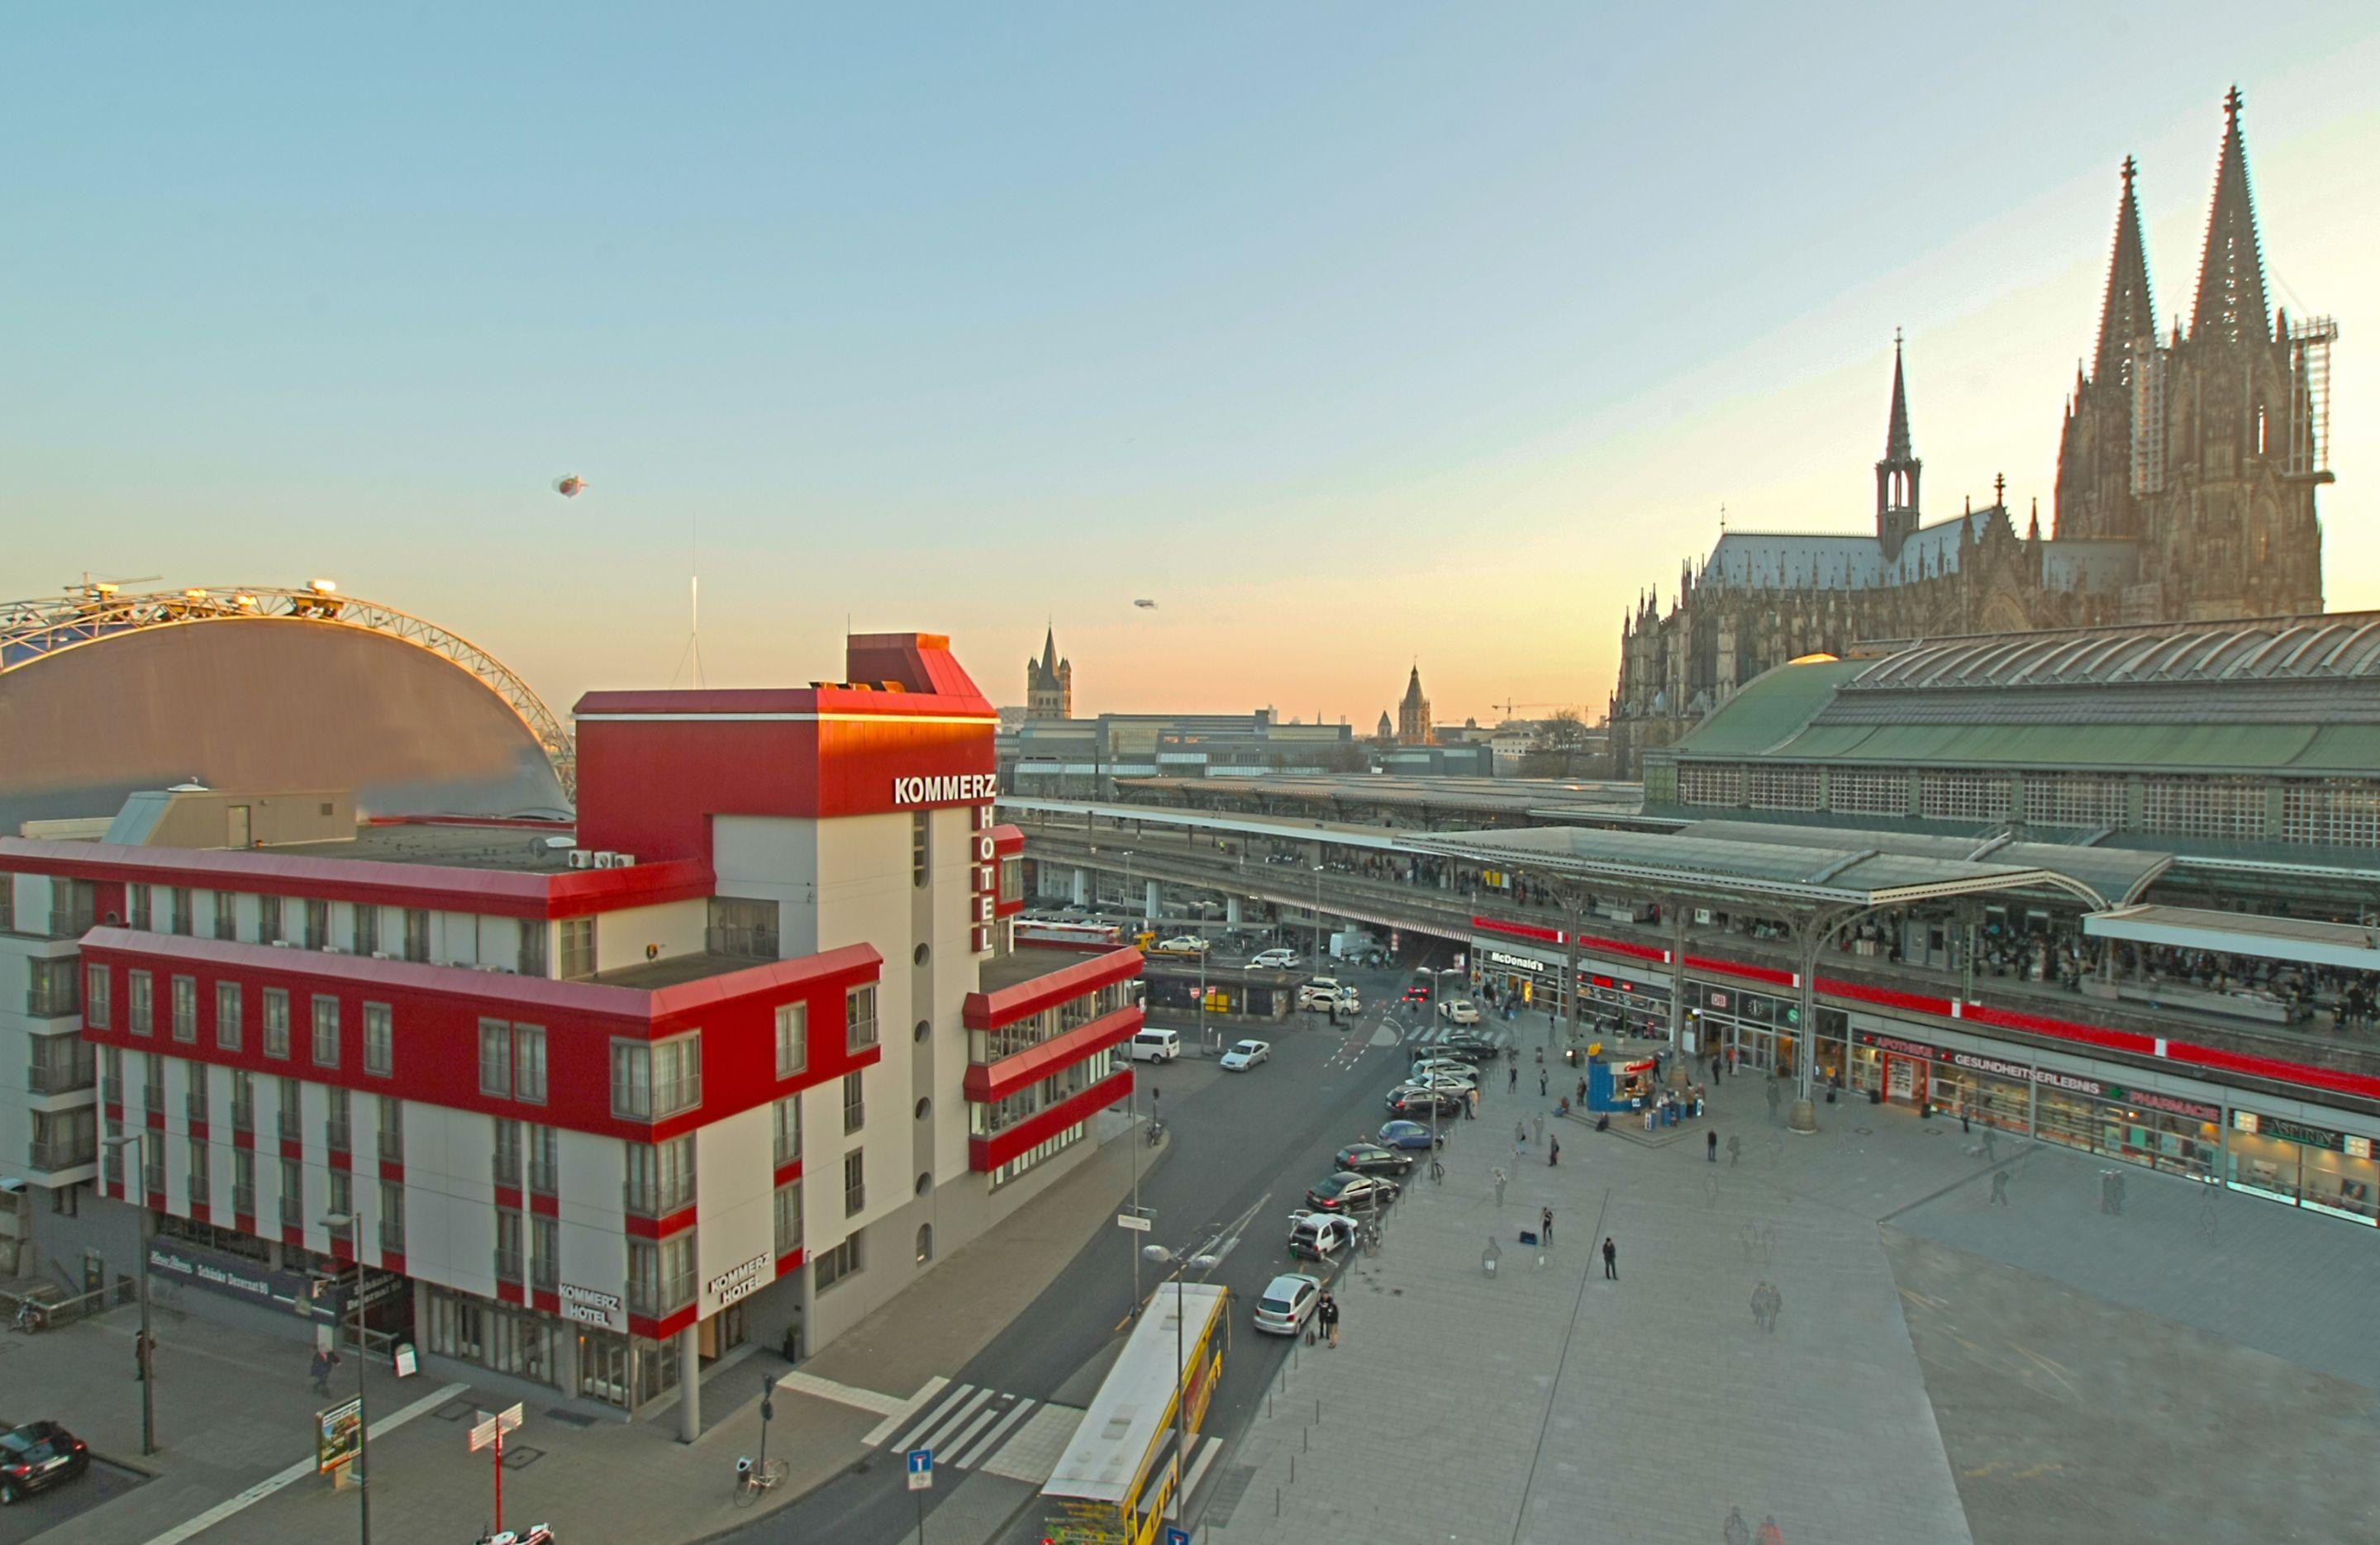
[{"x": 1940, "y": 1369}]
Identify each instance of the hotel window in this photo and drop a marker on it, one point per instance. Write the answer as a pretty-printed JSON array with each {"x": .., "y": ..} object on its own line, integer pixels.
[
  {"x": 789, "y": 1217},
  {"x": 73, "y": 906},
  {"x": 660, "y": 1177},
  {"x": 276, "y": 1022},
  {"x": 137, "y": 904},
  {"x": 508, "y": 1246},
  {"x": 291, "y": 1108},
  {"x": 528, "y": 1064},
  {"x": 140, "y": 1007},
  {"x": 508, "y": 1155},
  {"x": 243, "y": 1102},
  {"x": 416, "y": 935},
  {"x": 186, "y": 1007},
  {"x": 793, "y": 1038},
  {"x": 859, "y": 1018},
  {"x": 338, "y": 1123},
  {"x": 854, "y": 1103},
  {"x": 293, "y": 1194},
  {"x": 496, "y": 1059},
  {"x": 854, "y": 1183},
  {"x": 343, "y": 1192},
  {"x": 202, "y": 1182},
  {"x": 152, "y": 1165},
  {"x": 661, "y": 1275},
  {"x": 318, "y": 925},
  {"x": 243, "y": 1185},
  {"x": 367, "y": 933},
  {"x": 545, "y": 1252},
  {"x": 226, "y": 916},
  {"x": 392, "y": 1216},
  {"x": 744, "y": 927},
  {"x": 54, "y": 988},
  {"x": 228, "y": 1027},
  {"x": 532, "y": 947},
  {"x": 544, "y": 1161},
  {"x": 380, "y": 1040},
  {"x": 268, "y": 919},
  {"x": 111, "y": 1068},
  {"x": 836, "y": 1264},
  {"x": 788, "y": 1123},
  {"x": 577, "y": 948},
  {"x": 651, "y": 1080},
  {"x": 918, "y": 864},
  {"x": 177, "y": 902},
  {"x": 95, "y": 981},
  {"x": 326, "y": 1030}
]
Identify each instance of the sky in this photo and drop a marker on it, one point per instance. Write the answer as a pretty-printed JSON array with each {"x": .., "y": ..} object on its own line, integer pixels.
[{"x": 1352, "y": 335}]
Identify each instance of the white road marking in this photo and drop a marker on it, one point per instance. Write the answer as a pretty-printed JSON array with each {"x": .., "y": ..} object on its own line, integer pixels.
[
  {"x": 952, "y": 1413},
  {"x": 909, "y": 1408},
  {"x": 843, "y": 1395},
  {"x": 985, "y": 1445},
  {"x": 193, "y": 1526}
]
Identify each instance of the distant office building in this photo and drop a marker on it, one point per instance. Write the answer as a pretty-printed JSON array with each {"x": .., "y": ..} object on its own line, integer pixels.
[
  {"x": 1413, "y": 713},
  {"x": 1081, "y": 759},
  {"x": 1050, "y": 683}
]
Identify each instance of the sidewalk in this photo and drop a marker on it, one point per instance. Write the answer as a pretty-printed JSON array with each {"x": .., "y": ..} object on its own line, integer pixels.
[{"x": 235, "y": 1410}]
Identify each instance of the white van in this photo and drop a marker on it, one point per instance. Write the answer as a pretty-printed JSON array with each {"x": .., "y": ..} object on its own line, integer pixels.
[{"x": 1156, "y": 1046}]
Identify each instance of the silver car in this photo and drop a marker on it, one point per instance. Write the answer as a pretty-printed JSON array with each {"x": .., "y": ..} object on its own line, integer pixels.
[{"x": 1288, "y": 1303}]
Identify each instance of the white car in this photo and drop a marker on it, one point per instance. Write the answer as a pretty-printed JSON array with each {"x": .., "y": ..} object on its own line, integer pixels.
[
  {"x": 1272, "y": 959},
  {"x": 1320, "y": 996},
  {"x": 1288, "y": 1301},
  {"x": 1245, "y": 1055},
  {"x": 1424, "y": 1066},
  {"x": 1454, "y": 1083},
  {"x": 1181, "y": 944},
  {"x": 1459, "y": 1012}
]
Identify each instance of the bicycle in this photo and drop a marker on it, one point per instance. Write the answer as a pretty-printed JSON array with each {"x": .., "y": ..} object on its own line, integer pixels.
[
  {"x": 31, "y": 1318},
  {"x": 752, "y": 1480},
  {"x": 1436, "y": 1170}
]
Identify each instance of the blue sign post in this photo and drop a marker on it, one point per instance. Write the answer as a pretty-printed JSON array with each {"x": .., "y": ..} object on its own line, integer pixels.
[
  {"x": 921, "y": 1480},
  {"x": 1176, "y": 1535}
]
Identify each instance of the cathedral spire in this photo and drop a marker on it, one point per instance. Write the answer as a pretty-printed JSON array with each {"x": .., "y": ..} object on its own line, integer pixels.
[
  {"x": 1050, "y": 650},
  {"x": 2128, "y": 314},
  {"x": 1895, "y": 436},
  {"x": 1896, "y": 475},
  {"x": 2232, "y": 306}
]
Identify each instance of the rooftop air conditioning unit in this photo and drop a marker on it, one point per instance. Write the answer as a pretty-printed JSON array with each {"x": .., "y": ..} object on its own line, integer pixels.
[
  {"x": 334, "y": 949},
  {"x": 624, "y": 861},
  {"x": 607, "y": 860},
  {"x": 382, "y": 955},
  {"x": 279, "y": 944},
  {"x": 582, "y": 858}
]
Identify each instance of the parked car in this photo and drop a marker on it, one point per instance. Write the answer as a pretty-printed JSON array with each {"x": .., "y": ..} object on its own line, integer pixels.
[
  {"x": 1181, "y": 944},
  {"x": 1288, "y": 1300},
  {"x": 1459, "y": 1067},
  {"x": 1349, "y": 1192},
  {"x": 1404, "y": 1134},
  {"x": 1322, "y": 1237},
  {"x": 1245, "y": 1055},
  {"x": 1459, "y": 1012},
  {"x": 1370, "y": 1158},
  {"x": 1471, "y": 1049},
  {"x": 1319, "y": 992},
  {"x": 1272, "y": 959},
  {"x": 1460, "y": 1076},
  {"x": 1409, "y": 1100},
  {"x": 38, "y": 1454}
]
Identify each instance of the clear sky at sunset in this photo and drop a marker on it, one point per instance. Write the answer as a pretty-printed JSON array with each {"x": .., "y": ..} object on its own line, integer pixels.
[{"x": 1352, "y": 334}]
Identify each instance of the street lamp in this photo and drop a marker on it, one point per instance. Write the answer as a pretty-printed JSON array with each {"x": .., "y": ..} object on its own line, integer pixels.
[
  {"x": 138, "y": 1141},
  {"x": 1159, "y": 1255},
  {"x": 352, "y": 1226}
]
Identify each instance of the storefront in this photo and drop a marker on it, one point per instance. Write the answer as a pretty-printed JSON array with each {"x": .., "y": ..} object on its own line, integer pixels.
[
  {"x": 1760, "y": 1032},
  {"x": 1616, "y": 1004},
  {"x": 503, "y": 1338},
  {"x": 1900, "y": 1070},
  {"x": 2305, "y": 1165},
  {"x": 2138, "y": 1126},
  {"x": 1985, "y": 1089}
]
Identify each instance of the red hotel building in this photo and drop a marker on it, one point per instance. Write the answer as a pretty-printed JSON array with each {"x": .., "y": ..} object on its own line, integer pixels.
[{"x": 745, "y": 1051}]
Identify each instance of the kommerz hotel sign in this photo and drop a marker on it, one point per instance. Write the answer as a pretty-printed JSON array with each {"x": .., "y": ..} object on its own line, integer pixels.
[{"x": 945, "y": 789}]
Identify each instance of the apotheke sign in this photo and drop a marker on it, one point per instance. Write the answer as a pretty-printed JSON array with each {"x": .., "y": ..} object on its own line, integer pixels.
[
  {"x": 946, "y": 789},
  {"x": 740, "y": 1282}
]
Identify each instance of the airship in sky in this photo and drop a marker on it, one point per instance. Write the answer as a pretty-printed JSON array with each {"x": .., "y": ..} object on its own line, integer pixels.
[{"x": 568, "y": 488}]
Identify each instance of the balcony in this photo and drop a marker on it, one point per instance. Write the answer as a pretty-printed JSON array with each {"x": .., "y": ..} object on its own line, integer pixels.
[
  {"x": 391, "y": 1145},
  {"x": 508, "y": 1266},
  {"x": 292, "y": 1127},
  {"x": 544, "y": 1273},
  {"x": 339, "y": 1136},
  {"x": 243, "y": 1200},
  {"x": 56, "y": 1154},
  {"x": 54, "y": 997},
  {"x": 542, "y": 1178},
  {"x": 667, "y": 1297},
  {"x": 61, "y": 1075}
]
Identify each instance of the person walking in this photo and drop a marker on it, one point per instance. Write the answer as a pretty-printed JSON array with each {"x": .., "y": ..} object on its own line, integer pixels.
[
  {"x": 1769, "y": 1533},
  {"x": 1537, "y": 1125},
  {"x": 1610, "y": 1260},
  {"x": 1471, "y": 1103},
  {"x": 1328, "y": 1310},
  {"x": 1500, "y": 1179},
  {"x": 325, "y": 1360},
  {"x": 1710, "y": 1145},
  {"x": 1582, "y": 1093},
  {"x": 1774, "y": 1095},
  {"x": 1776, "y": 1302},
  {"x": 144, "y": 1352},
  {"x": 1513, "y": 1077},
  {"x": 1736, "y": 1531},
  {"x": 1541, "y": 1082},
  {"x": 1760, "y": 1305},
  {"x": 1545, "y": 1224},
  {"x": 1553, "y": 1155},
  {"x": 1734, "y": 1150},
  {"x": 1999, "y": 1188}
]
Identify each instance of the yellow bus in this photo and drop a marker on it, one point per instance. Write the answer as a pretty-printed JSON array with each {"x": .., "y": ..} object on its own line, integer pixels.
[{"x": 1115, "y": 1483}]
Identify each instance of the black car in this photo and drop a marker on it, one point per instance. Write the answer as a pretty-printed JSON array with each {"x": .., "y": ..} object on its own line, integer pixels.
[
  {"x": 1470, "y": 1048},
  {"x": 1370, "y": 1158},
  {"x": 37, "y": 1455},
  {"x": 1348, "y": 1192},
  {"x": 1417, "y": 1103}
]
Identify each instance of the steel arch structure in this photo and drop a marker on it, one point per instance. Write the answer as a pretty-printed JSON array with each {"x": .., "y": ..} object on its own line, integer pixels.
[{"x": 36, "y": 630}]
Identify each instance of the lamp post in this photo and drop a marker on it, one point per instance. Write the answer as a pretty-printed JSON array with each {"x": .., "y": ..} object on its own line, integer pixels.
[
  {"x": 351, "y": 1224},
  {"x": 1159, "y": 1255},
  {"x": 138, "y": 1139}
]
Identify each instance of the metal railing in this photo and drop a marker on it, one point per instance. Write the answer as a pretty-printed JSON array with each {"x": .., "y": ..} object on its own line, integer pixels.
[
  {"x": 52, "y": 1076},
  {"x": 292, "y": 1126},
  {"x": 55, "y": 1153},
  {"x": 508, "y": 1265},
  {"x": 666, "y": 1297},
  {"x": 243, "y": 1200},
  {"x": 339, "y": 1136},
  {"x": 66, "y": 1311},
  {"x": 391, "y": 1144}
]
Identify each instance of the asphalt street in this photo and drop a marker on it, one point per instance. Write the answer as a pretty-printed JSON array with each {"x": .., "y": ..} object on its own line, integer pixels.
[{"x": 1243, "y": 1147}]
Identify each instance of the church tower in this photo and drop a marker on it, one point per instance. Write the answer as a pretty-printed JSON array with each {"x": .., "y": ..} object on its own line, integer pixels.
[
  {"x": 2095, "y": 478},
  {"x": 1412, "y": 714},
  {"x": 1050, "y": 683},
  {"x": 1896, "y": 475}
]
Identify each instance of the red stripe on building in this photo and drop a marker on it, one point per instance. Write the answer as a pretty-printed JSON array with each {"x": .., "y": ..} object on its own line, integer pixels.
[
  {"x": 987, "y": 1081},
  {"x": 985, "y": 1154}
]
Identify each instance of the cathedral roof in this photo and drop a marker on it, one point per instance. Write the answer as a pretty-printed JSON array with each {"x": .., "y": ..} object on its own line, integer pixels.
[{"x": 1810, "y": 561}]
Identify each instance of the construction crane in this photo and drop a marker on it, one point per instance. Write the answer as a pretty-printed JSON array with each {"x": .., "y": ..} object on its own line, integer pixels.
[{"x": 1506, "y": 708}]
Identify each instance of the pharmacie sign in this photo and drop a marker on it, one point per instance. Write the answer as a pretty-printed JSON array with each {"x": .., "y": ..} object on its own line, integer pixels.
[
  {"x": 2018, "y": 1070},
  {"x": 2149, "y": 1099}
]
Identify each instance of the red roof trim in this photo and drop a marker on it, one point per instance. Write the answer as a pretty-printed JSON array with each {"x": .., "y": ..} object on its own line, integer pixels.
[
  {"x": 987, "y": 1081},
  {"x": 1007, "y": 840},
  {"x": 826, "y": 701},
  {"x": 992, "y": 1010},
  {"x": 985, "y": 1154}
]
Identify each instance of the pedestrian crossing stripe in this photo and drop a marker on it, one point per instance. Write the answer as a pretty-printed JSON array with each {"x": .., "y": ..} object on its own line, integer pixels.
[{"x": 963, "y": 1424}]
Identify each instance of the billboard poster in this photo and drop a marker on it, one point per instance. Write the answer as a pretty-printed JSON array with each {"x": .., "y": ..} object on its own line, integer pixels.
[{"x": 338, "y": 1433}]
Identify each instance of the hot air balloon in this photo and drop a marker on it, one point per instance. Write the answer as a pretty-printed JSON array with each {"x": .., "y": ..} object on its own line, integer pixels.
[{"x": 568, "y": 488}]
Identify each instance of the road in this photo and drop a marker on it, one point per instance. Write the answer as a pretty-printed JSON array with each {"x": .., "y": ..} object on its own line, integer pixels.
[{"x": 1244, "y": 1146}]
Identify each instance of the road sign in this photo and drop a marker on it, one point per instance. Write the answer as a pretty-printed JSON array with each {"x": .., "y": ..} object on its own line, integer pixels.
[
  {"x": 1126, "y": 1220},
  {"x": 484, "y": 1433},
  {"x": 1176, "y": 1535},
  {"x": 921, "y": 1469}
]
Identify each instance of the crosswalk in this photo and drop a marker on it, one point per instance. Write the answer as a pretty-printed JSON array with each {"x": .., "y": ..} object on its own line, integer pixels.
[
  {"x": 1438, "y": 1031},
  {"x": 966, "y": 1425}
]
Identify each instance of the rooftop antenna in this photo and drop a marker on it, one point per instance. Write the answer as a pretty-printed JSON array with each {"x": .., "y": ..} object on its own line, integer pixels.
[{"x": 694, "y": 601}]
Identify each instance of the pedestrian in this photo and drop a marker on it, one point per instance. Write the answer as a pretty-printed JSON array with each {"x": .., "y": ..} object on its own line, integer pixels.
[
  {"x": 1999, "y": 1188},
  {"x": 1737, "y": 1532},
  {"x": 144, "y": 1351},
  {"x": 1520, "y": 1134},
  {"x": 1710, "y": 1145},
  {"x": 1760, "y": 1305},
  {"x": 324, "y": 1360},
  {"x": 1774, "y": 1095},
  {"x": 1769, "y": 1533},
  {"x": 1328, "y": 1310},
  {"x": 1734, "y": 1149},
  {"x": 1610, "y": 1260},
  {"x": 1730, "y": 1059},
  {"x": 1537, "y": 1125},
  {"x": 1513, "y": 1077},
  {"x": 1500, "y": 1179},
  {"x": 1776, "y": 1302},
  {"x": 1541, "y": 1082},
  {"x": 1963, "y": 1127},
  {"x": 1553, "y": 1155},
  {"x": 1471, "y": 1103},
  {"x": 1991, "y": 1146},
  {"x": 1545, "y": 1223},
  {"x": 1582, "y": 1092}
]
